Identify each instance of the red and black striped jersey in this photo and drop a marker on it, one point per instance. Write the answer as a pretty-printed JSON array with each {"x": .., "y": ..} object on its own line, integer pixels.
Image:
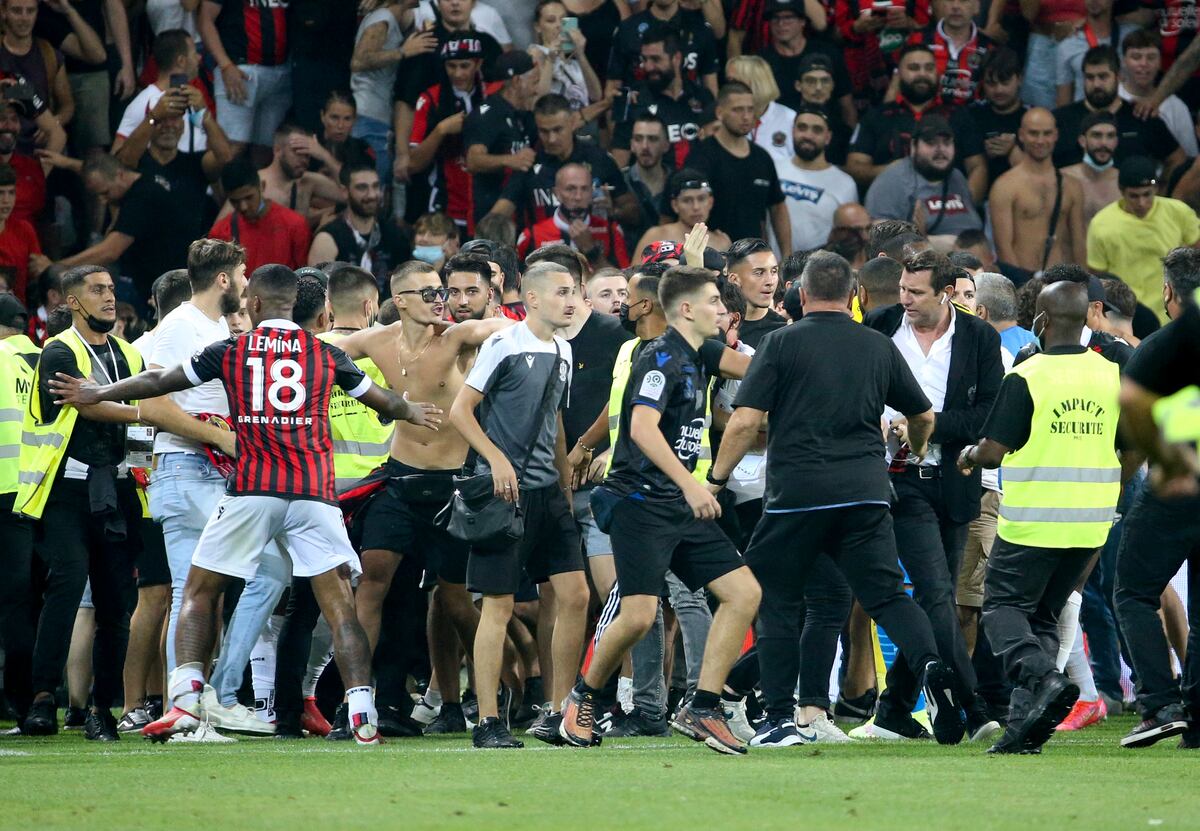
[
  {"x": 254, "y": 31},
  {"x": 279, "y": 379}
]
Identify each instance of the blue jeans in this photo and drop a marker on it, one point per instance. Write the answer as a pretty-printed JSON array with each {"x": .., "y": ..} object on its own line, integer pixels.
[
  {"x": 378, "y": 136},
  {"x": 1040, "y": 84},
  {"x": 184, "y": 490}
]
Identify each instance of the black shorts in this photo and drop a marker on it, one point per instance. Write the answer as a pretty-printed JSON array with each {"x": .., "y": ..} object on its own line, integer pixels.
[
  {"x": 648, "y": 538},
  {"x": 152, "y": 568},
  {"x": 550, "y": 546},
  {"x": 400, "y": 519}
]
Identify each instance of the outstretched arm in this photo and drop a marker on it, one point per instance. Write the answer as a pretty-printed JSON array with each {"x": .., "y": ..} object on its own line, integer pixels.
[
  {"x": 398, "y": 407},
  {"x": 149, "y": 384}
]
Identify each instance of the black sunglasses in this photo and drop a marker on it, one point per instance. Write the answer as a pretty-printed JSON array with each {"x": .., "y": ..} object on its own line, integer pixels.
[{"x": 429, "y": 295}]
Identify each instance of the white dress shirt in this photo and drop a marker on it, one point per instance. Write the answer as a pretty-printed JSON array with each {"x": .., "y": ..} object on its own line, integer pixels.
[{"x": 932, "y": 372}]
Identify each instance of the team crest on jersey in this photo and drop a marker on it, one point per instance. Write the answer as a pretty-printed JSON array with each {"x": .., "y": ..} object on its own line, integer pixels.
[{"x": 778, "y": 139}]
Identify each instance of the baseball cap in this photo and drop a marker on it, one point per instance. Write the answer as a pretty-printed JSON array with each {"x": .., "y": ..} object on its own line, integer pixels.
[
  {"x": 1136, "y": 172},
  {"x": 660, "y": 250},
  {"x": 774, "y": 7},
  {"x": 1097, "y": 294},
  {"x": 813, "y": 63},
  {"x": 931, "y": 127},
  {"x": 679, "y": 185},
  {"x": 12, "y": 312},
  {"x": 511, "y": 64},
  {"x": 462, "y": 49}
]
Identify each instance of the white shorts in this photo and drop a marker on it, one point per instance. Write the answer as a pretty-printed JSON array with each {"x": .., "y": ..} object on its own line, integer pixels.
[{"x": 311, "y": 533}]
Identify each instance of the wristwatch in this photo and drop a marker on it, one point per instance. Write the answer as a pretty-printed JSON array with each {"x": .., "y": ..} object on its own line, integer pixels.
[{"x": 708, "y": 477}]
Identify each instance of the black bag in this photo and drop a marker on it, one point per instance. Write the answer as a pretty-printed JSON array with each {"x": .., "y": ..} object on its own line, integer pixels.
[{"x": 474, "y": 513}]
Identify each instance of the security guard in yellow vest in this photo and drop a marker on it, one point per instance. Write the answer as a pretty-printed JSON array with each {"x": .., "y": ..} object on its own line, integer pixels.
[
  {"x": 73, "y": 477},
  {"x": 18, "y": 358},
  {"x": 1053, "y": 432},
  {"x": 360, "y": 439}
]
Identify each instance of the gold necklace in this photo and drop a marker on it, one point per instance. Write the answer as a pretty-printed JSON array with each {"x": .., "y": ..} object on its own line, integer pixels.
[{"x": 404, "y": 365}]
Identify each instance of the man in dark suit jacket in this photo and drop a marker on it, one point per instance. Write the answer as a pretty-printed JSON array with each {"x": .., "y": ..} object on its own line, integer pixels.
[{"x": 955, "y": 357}]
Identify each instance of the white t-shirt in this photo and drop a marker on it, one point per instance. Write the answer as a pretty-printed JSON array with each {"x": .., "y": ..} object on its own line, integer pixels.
[
  {"x": 170, "y": 14},
  {"x": 139, "y": 109},
  {"x": 483, "y": 17},
  {"x": 812, "y": 197},
  {"x": 181, "y": 335},
  {"x": 774, "y": 132}
]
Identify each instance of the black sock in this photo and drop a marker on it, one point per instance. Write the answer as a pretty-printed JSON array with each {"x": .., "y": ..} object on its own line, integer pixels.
[
  {"x": 704, "y": 700},
  {"x": 583, "y": 689}
]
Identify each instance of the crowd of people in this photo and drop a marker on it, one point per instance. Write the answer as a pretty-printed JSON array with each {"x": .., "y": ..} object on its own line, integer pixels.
[{"x": 599, "y": 368}]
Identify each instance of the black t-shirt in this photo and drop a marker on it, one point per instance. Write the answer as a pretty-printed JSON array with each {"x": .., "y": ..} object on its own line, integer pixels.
[
  {"x": 599, "y": 28},
  {"x": 184, "y": 177},
  {"x": 696, "y": 38},
  {"x": 751, "y": 332},
  {"x": 1135, "y": 137},
  {"x": 93, "y": 443},
  {"x": 162, "y": 225},
  {"x": 684, "y": 116},
  {"x": 1169, "y": 359},
  {"x": 1117, "y": 351},
  {"x": 672, "y": 377},
  {"x": 787, "y": 68},
  {"x": 424, "y": 71},
  {"x": 54, "y": 27},
  {"x": 502, "y": 130},
  {"x": 594, "y": 350},
  {"x": 824, "y": 448},
  {"x": 988, "y": 124},
  {"x": 533, "y": 191},
  {"x": 743, "y": 189},
  {"x": 885, "y": 132}
]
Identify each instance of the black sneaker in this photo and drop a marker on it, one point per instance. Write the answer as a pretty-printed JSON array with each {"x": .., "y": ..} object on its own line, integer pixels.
[
  {"x": 491, "y": 733},
  {"x": 42, "y": 719},
  {"x": 904, "y": 726},
  {"x": 449, "y": 720},
  {"x": 855, "y": 710},
  {"x": 394, "y": 724},
  {"x": 1013, "y": 743},
  {"x": 1053, "y": 699},
  {"x": 1190, "y": 738},
  {"x": 288, "y": 728},
  {"x": 341, "y": 731},
  {"x": 75, "y": 718},
  {"x": 153, "y": 705},
  {"x": 100, "y": 726},
  {"x": 980, "y": 726},
  {"x": 546, "y": 728},
  {"x": 941, "y": 702},
  {"x": 639, "y": 723},
  {"x": 1168, "y": 721}
]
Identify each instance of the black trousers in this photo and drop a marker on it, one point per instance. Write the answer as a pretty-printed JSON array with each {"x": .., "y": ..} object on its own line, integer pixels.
[
  {"x": 76, "y": 549},
  {"x": 1160, "y": 536},
  {"x": 1024, "y": 592},
  {"x": 291, "y": 653},
  {"x": 931, "y": 548},
  {"x": 860, "y": 541},
  {"x": 16, "y": 604},
  {"x": 827, "y": 601}
]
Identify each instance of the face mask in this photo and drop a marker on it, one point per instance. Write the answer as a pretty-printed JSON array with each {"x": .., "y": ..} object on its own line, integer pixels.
[
  {"x": 1087, "y": 159},
  {"x": 572, "y": 214},
  {"x": 102, "y": 327},
  {"x": 1036, "y": 334},
  {"x": 428, "y": 253},
  {"x": 628, "y": 325}
]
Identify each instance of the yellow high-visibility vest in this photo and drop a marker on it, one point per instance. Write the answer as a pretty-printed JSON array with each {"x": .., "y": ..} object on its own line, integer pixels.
[
  {"x": 44, "y": 444},
  {"x": 1061, "y": 488},
  {"x": 360, "y": 442},
  {"x": 16, "y": 384}
]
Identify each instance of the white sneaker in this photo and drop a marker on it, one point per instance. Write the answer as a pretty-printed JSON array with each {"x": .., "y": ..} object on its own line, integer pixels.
[
  {"x": 424, "y": 713},
  {"x": 735, "y": 717},
  {"x": 238, "y": 718},
  {"x": 204, "y": 734},
  {"x": 625, "y": 693},
  {"x": 825, "y": 730}
]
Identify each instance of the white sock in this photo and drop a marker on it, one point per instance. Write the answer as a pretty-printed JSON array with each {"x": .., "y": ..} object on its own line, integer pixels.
[
  {"x": 625, "y": 693},
  {"x": 359, "y": 701},
  {"x": 185, "y": 685},
  {"x": 1068, "y": 623},
  {"x": 319, "y": 656},
  {"x": 1080, "y": 671},
  {"x": 262, "y": 668},
  {"x": 433, "y": 697}
]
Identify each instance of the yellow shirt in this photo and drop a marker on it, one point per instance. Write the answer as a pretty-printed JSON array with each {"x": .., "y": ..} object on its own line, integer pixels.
[{"x": 1131, "y": 248}]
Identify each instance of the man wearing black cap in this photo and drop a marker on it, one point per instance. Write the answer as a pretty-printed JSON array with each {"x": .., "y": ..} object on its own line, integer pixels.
[
  {"x": 664, "y": 91},
  {"x": 885, "y": 132},
  {"x": 813, "y": 89},
  {"x": 926, "y": 187},
  {"x": 690, "y": 197},
  {"x": 789, "y": 48},
  {"x": 696, "y": 39},
  {"x": 1130, "y": 237},
  {"x": 498, "y": 136},
  {"x": 438, "y": 125}
]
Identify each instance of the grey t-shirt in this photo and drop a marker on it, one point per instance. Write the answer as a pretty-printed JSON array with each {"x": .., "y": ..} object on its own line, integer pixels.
[
  {"x": 512, "y": 371},
  {"x": 373, "y": 89},
  {"x": 947, "y": 206}
]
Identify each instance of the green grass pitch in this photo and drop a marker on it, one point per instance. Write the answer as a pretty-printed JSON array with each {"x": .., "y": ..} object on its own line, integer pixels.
[{"x": 1081, "y": 781}]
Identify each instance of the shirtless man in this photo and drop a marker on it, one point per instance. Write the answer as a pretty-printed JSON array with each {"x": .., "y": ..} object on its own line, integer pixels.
[
  {"x": 1096, "y": 174},
  {"x": 418, "y": 356},
  {"x": 1022, "y": 201},
  {"x": 288, "y": 181},
  {"x": 692, "y": 201}
]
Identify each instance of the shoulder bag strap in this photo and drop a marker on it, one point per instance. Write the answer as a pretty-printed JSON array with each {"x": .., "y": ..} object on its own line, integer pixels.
[{"x": 1049, "y": 246}]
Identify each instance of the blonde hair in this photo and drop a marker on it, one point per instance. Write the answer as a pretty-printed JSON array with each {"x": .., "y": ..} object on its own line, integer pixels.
[{"x": 755, "y": 73}]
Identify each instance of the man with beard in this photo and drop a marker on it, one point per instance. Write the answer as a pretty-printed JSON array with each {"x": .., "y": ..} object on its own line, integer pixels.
[
  {"x": 926, "y": 188},
  {"x": 683, "y": 105},
  {"x": 958, "y": 46},
  {"x": 690, "y": 198},
  {"x": 498, "y": 135},
  {"x": 575, "y": 223},
  {"x": 437, "y": 127},
  {"x": 744, "y": 183},
  {"x": 1096, "y": 174},
  {"x": 470, "y": 295},
  {"x": 1037, "y": 214},
  {"x": 531, "y": 195},
  {"x": 814, "y": 188},
  {"x": 288, "y": 181},
  {"x": 695, "y": 37},
  {"x": 31, "y": 176},
  {"x": 358, "y": 236},
  {"x": 997, "y": 117},
  {"x": 814, "y": 89},
  {"x": 1137, "y": 137},
  {"x": 886, "y": 131},
  {"x": 790, "y": 50},
  {"x": 647, "y": 176}
]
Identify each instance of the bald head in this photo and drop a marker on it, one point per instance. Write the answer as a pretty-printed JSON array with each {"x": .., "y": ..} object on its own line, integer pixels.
[
  {"x": 852, "y": 215},
  {"x": 573, "y": 187},
  {"x": 1038, "y": 133},
  {"x": 1063, "y": 309}
]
